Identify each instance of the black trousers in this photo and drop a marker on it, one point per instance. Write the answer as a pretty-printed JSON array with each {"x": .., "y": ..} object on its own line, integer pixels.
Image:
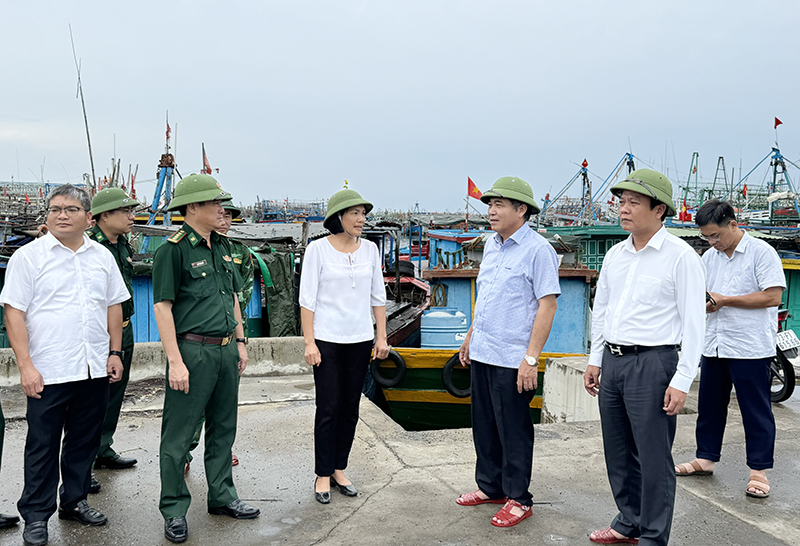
[
  {"x": 76, "y": 410},
  {"x": 637, "y": 438},
  {"x": 338, "y": 379},
  {"x": 752, "y": 381},
  {"x": 502, "y": 430}
]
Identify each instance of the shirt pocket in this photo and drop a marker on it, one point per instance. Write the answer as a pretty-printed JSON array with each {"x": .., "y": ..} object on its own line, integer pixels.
[
  {"x": 646, "y": 290},
  {"x": 202, "y": 282}
]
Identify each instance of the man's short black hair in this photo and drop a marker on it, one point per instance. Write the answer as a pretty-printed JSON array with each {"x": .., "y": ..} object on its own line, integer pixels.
[
  {"x": 182, "y": 210},
  {"x": 335, "y": 224},
  {"x": 716, "y": 212},
  {"x": 528, "y": 209}
]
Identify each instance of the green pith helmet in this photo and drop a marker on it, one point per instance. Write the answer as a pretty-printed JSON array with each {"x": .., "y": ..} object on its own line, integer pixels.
[
  {"x": 511, "y": 187},
  {"x": 111, "y": 199},
  {"x": 235, "y": 211},
  {"x": 341, "y": 200},
  {"x": 650, "y": 183},
  {"x": 197, "y": 188}
]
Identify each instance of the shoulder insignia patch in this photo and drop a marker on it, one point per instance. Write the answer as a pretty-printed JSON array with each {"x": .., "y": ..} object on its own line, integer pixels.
[
  {"x": 177, "y": 236},
  {"x": 226, "y": 258},
  {"x": 237, "y": 260}
]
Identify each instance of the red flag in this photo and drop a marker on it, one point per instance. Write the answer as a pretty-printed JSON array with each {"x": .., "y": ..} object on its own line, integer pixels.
[
  {"x": 777, "y": 122},
  {"x": 206, "y": 164},
  {"x": 585, "y": 163},
  {"x": 744, "y": 190},
  {"x": 27, "y": 199},
  {"x": 472, "y": 189},
  {"x": 168, "y": 130}
]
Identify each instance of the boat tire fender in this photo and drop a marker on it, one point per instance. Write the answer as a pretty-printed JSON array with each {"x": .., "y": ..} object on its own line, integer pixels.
[
  {"x": 447, "y": 378},
  {"x": 399, "y": 363}
]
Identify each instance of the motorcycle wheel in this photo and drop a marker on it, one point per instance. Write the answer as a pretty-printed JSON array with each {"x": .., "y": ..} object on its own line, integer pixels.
[{"x": 782, "y": 378}]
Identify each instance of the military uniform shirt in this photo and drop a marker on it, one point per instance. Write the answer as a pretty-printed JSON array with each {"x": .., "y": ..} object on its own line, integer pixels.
[
  {"x": 123, "y": 254},
  {"x": 200, "y": 281}
]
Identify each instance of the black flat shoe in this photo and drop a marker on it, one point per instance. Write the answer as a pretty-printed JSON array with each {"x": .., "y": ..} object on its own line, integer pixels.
[
  {"x": 115, "y": 462},
  {"x": 83, "y": 513},
  {"x": 323, "y": 497},
  {"x": 35, "y": 533},
  {"x": 236, "y": 509},
  {"x": 176, "y": 530},
  {"x": 8, "y": 521},
  {"x": 346, "y": 490},
  {"x": 94, "y": 487}
]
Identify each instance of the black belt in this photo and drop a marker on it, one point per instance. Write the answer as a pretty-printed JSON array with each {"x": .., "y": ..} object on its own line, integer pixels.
[
  {"x": 619, "y": 350},
  {"x": 206, "y": 340}
]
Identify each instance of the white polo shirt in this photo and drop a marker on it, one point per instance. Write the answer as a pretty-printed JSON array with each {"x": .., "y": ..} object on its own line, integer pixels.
[
  {"x": 654, "y": 296},
  {"x": 65, "y": 296},
  {"x": 733, "y": 332}
]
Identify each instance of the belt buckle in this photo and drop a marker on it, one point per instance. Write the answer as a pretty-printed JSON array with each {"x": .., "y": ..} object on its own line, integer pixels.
[
  {"x": 226, "y": 340},
  {"x": 616, "y": 350}
]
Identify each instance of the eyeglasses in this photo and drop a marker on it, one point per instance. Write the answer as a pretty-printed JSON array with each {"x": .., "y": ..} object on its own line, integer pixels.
[
  {"x": 711, "y": 238},
  {"x": 70, "y": 211},
  {"x": 128, "y": 212}
]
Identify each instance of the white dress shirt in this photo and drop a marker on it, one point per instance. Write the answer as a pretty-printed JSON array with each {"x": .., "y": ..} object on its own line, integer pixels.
[
  {"x": 341, "y": 288},
  {"x": 655, "y": 296},
  {"x": 733, "y": 332},
  {"x": 65, "y": 296}
]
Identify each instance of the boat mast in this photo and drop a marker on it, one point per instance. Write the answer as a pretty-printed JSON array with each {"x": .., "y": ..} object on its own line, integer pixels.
[{"x": 83, "y": 106}]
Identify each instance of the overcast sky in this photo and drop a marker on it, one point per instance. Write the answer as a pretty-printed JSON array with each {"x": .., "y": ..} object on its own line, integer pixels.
[{"x": 405, "y": 99}]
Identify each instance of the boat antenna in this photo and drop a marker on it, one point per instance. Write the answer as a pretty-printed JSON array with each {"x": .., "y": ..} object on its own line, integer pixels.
[{"x": 83, "y": 106}]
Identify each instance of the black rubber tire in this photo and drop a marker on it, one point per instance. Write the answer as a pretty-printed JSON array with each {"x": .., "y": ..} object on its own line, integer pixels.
[
  {"x": 406, "y": 269},
  {"x": 400, "y": 364},
  {"x": 782, "y": 379},
  {"x": 447, "y": 379}
]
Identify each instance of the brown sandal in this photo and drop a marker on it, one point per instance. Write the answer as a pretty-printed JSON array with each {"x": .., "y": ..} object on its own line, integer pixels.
[
  {"x": 696, "y": 469},
  {"x": 759, "y": 484}
]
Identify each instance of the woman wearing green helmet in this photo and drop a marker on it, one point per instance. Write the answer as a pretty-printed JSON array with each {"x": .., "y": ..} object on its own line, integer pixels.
[{"x": 340, "y": 284}]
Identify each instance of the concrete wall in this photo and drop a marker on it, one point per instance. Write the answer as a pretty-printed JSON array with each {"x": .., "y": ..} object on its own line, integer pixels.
[
  {"x": 564, "y": 398},
  {"x": 266, "y": 355}
]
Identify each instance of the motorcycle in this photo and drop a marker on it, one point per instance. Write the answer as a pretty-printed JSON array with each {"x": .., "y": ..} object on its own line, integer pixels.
[{"x": 781, "y": 370}]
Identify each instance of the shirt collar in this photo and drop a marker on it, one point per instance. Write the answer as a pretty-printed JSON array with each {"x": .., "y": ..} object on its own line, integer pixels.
[
  {"x": 745, "y": 240},
  {"x": 195, "y": 238},
  {"x": 518, "y": 236},
  {"x": 655, "y": 241},
  {"x": 51, "y": 242}
]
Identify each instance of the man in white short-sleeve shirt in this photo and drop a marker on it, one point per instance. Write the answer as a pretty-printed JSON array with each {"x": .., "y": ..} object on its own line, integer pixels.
[
  {"x": 62, "y": 299},
  {"x": 745, "y": 280}
]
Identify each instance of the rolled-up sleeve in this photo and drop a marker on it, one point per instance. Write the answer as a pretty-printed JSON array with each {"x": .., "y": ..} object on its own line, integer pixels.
[
  {"x": 309, "y": 278},
  {"x": 690, "y": 282},
  {"x": 378, "y": 289}
]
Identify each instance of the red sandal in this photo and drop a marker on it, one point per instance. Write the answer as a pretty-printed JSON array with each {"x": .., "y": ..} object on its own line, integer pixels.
[
  {"x": 473, "y": 499},
  {"x": 504, "y": 518},
  {"x": 605, "y": 536}
]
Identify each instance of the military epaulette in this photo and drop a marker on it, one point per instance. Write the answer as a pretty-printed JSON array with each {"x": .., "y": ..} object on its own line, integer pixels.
[{"x": 177, "y": 236}]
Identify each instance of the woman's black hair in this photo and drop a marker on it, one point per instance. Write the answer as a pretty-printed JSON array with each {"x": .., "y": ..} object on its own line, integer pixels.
[{"x": 335, "y": 224}]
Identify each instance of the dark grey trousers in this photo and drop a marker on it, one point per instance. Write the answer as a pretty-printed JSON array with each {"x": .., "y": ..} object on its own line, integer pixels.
[{"x": 638, "y": 436}]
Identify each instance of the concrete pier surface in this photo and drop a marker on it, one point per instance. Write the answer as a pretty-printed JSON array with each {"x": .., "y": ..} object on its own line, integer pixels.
[{"x": 408, "y": 481}]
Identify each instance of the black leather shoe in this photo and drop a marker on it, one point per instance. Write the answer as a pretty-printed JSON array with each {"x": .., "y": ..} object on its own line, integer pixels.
[
  {"x": 94, "y": 487},
  {"x": 346, "y": 490},
  {"x": 175, "y": 530},
  {"x": 114, "y": 463},
  {"x": 236, "y": 509},
  {"x": 35, "y": 533},
  {"x": 8, "y": 521},
  {"x": 83, "y": 513},
  {"x": 323, "y": 497}
]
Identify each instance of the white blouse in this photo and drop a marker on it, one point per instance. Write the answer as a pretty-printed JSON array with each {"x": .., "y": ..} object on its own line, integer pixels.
[{"x": 340, "y": 288}]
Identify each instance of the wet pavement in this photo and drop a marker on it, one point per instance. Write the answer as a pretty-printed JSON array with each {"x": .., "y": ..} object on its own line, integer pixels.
[{"x": 408, "y": 480}]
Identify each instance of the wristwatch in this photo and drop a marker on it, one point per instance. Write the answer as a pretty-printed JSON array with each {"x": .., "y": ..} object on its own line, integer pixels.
[
  {"x": 532, "y": 361},
  {"x": 241, "y": 340},
  {"x": 116, "y": 353}
]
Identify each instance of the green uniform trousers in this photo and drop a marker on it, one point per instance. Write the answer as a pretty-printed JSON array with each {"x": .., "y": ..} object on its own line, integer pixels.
[
  {"x": 213, "y": 393},
  {"x": 116, "y": 393}
]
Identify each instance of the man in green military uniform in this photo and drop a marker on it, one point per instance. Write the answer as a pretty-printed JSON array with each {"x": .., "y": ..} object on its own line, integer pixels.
[
  {"x": 113, "y": 211},
  {"x": 199, "y": 320},
  {"x": 244, "y": 263}
]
